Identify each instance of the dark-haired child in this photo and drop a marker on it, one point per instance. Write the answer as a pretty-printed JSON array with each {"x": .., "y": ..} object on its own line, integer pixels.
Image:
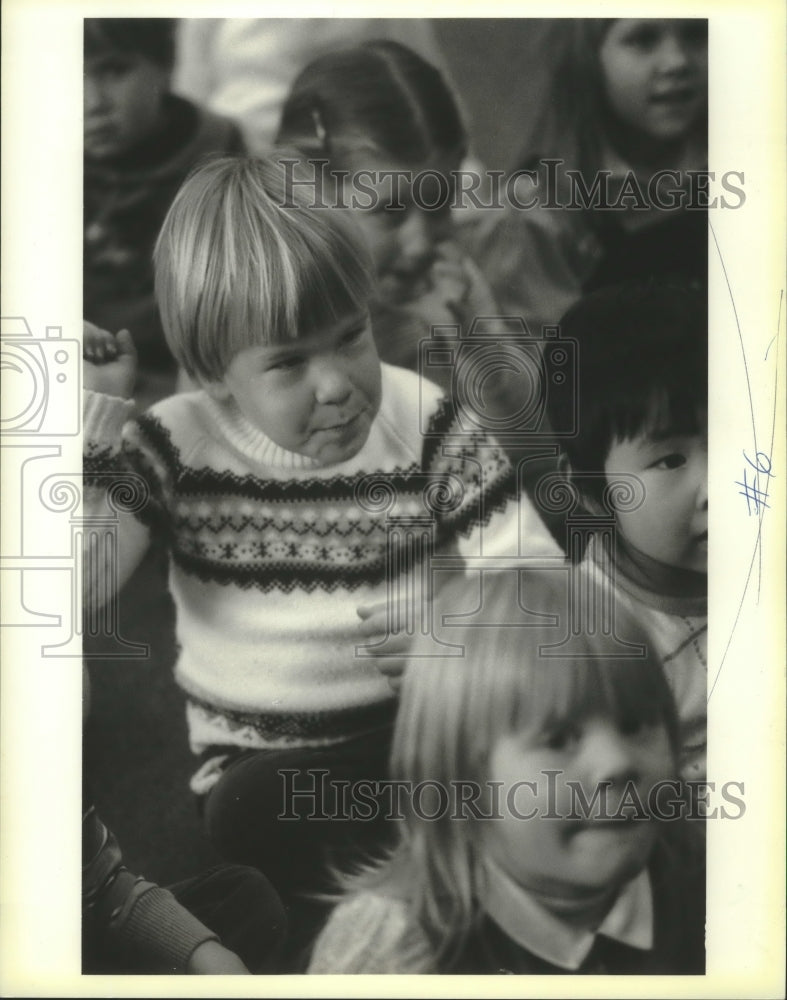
[
  {"x": 140, "y": 142},
  {"x": 642, "y": 412}
]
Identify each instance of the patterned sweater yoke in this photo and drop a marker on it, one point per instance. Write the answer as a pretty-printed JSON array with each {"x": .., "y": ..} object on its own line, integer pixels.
[{"x": 271, "y": 555}]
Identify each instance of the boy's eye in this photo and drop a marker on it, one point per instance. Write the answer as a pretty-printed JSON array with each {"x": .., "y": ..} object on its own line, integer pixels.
[
  {"x": 286, "y": 363},
  {"x": 672, "y": 461}
]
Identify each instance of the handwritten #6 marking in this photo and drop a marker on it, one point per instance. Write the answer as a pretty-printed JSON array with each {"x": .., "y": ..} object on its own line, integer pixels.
[{"x": 756, "y": 498}]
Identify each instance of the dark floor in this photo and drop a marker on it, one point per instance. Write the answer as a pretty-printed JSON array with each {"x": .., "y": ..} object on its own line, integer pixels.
[{"x": 136, "y": 757}]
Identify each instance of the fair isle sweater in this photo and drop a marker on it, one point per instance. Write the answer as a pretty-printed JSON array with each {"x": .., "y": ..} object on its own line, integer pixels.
[{"x": 271, "y": 554}]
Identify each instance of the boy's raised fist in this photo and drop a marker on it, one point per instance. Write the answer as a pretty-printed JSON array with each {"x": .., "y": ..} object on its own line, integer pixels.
[{"x": 109, "y": 362}]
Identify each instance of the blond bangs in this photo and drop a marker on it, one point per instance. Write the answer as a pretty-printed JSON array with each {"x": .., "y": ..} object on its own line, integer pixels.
[{"x": 245, "y": 259}]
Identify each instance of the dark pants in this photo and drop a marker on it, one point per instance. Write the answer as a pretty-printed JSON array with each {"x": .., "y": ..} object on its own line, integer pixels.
[
  {"x": 284, "y": 812},
  {"x": 241, "y": 906}
]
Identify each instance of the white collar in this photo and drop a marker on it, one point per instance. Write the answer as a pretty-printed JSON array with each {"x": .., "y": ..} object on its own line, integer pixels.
[{"x": 527, "y": 922}]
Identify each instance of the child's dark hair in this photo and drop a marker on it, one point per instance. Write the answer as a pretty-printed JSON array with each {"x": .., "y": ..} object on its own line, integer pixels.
[
  {"x": 380, "y": 94},
  {"x": 642, "y": 364},
  {"x": 151, "y": 37}
]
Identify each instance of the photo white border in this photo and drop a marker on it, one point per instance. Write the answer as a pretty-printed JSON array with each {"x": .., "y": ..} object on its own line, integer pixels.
[{"x": 40, "y": 703}]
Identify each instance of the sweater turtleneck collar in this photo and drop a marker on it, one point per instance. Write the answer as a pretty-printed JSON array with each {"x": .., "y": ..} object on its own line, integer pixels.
[{"x": 253, "y": 443}]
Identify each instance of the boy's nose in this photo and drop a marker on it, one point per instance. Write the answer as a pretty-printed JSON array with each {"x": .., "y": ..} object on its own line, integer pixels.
[{"x": 331, "y": 383}]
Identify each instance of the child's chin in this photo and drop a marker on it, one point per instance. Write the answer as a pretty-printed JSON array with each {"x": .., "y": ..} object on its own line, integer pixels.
[
  {"x": 335, "y": 456},
  {"x": 630, "y": 840},
  {"x": 335, "y": 452}
]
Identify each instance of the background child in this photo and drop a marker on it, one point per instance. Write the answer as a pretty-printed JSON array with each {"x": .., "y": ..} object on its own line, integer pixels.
[
  {"x": 381, "y": 107},
  {"x": 280, "y": 562},
  {"x": 226, "y": 921},
  {"x": 628, "y": 97},
  {"x": 510, "y": 873},
  {"x": 642, "y": 410},
  {"x": 140, "y": 142},
  {"x": 244, "y": 66}
]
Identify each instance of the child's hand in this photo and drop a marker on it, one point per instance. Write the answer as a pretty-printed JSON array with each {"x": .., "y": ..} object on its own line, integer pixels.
[
  {"x": 444, "y": 300},
  {"x": 213, "y": 959},
  {"x": 449, "y": 289},
  {"x": 109, "y": 363},
  {"x": 374, "y": 626}
]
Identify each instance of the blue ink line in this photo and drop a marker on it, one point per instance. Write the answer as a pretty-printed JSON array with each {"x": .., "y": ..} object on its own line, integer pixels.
[
  {"x": 740, "y": 335},
  {"x": 775, "y": 402},
  {"x": 737, "y": 613},
  {"x": 758, "y": 465},
  {"x": 758, "y": 542},
  {"x": 777, "y": 338},
  {"x": 752, "y": 492}
]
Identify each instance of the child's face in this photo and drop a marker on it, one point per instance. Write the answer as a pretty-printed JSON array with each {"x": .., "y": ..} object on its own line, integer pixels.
[
  {"x": 655, "y": 74},
  {"x": 316, "y": 395},
  {"x": 564, "y": 858},
  {"x": 403, "y": 242},
  {"x": 671, "y": 525},
  {"x": 123, "y": 95}
]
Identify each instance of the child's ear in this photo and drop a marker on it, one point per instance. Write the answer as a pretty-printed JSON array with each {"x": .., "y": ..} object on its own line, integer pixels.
[{"x": 564, "y": 464}]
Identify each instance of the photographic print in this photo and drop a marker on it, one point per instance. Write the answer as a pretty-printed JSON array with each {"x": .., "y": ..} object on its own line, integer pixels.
[{"x": 366, "y": 611}]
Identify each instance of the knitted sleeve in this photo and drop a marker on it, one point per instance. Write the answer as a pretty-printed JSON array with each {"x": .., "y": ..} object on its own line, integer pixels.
[
  {"x": 128, "y": 475},
  {"x": 127, "y": 921},
  {"x": 485, "y": 511},
  {"x": 370, "y": 933},
  {"x": 114, "y": 540}
]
